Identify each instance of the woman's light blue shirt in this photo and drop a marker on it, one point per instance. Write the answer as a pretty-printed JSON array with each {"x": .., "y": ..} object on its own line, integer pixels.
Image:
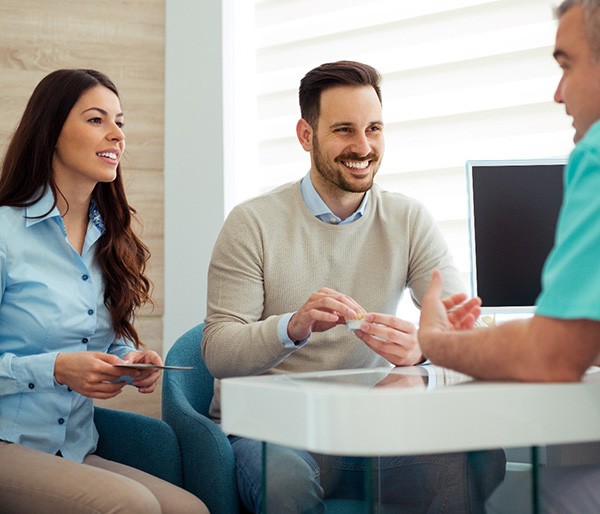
[{"x": 51, "y": 301}]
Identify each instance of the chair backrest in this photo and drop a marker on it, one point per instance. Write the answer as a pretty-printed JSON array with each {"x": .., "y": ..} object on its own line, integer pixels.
[{"x": 198, "y": 384}]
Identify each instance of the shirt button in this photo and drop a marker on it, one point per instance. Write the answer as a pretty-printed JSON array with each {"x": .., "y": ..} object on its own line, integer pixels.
[
  {"x": 61, "y": 421},
  {"x": 31, "y": 386},
  {"x": 69, "y": 389},
  {"x": 90, "y": 312},
  {"x": 85, "y": 340},
  {"x": 84, "y": 277}
]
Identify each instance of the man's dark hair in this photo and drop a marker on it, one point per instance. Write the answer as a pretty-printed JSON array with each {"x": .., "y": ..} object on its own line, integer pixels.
[{"x": 333, "y": 74}]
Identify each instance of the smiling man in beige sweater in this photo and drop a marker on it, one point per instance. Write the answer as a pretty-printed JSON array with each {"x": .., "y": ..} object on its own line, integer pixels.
[{"x": 289, "y": 268}]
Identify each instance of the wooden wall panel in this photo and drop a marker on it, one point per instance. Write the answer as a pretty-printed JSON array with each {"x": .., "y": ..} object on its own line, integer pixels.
[
  {"x": 145, "y": 193},
  {"x": 125, "y": 40}
]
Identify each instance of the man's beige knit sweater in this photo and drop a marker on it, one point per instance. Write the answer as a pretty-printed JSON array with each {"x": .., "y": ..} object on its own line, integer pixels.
[{"x": 273, "y": 253}]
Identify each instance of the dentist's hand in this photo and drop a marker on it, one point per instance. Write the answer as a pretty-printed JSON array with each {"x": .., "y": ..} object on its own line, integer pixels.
[{"x": 453, "y": 313}]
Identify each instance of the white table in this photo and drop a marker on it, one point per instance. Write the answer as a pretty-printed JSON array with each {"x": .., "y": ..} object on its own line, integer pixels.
[{"x": 345, "y": 413}]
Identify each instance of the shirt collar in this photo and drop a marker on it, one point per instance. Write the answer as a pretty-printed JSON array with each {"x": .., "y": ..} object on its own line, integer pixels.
[
  {"x": 319, "y": 208},
  {"x": 96, "y": 217},
  {"x": 42, "y": 210}
]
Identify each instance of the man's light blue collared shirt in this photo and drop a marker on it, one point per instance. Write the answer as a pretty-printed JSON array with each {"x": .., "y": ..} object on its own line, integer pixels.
[
  {"x": 51, "y": 301},
  {"x": 319, "y": 208}
]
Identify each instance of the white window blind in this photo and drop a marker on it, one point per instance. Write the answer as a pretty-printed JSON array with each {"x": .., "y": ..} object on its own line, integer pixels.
[{"x": 462, "y": 80}]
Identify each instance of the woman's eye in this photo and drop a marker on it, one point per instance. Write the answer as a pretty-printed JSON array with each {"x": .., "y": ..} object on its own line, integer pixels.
[
  {"x": 120, "y": 124},
  {"x": 95, "y": 120}
]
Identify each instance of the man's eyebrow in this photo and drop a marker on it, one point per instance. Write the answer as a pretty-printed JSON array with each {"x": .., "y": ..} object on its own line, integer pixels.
[
  {"x": 102, "y": 111},
  {"x": 341, "y": 124},
  {"x": 350, "y": 124}
]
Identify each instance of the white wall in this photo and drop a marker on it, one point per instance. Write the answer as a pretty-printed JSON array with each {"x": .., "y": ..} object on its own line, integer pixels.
[{"x": 194, "y": 184}]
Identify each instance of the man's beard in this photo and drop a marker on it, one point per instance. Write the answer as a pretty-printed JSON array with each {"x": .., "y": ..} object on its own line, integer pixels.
[{"x": 334, "y": 176}]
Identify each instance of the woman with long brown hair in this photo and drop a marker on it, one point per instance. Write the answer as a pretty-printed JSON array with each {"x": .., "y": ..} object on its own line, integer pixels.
[{"x": 71, "y": 278}]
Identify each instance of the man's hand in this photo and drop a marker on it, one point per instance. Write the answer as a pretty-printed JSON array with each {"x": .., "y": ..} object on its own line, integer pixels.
[
  {"x": 453, "y": 313},
  {"x": 462, "y": 314},
  {"x": 405, "y": 380},
  {"x": 392, "y": 338},
  {"x": 323, "y": 310},
  {"x": 398, "y": 341}
]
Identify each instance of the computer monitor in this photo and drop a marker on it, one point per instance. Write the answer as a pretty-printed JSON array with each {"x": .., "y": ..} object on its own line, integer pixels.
[{"x": 513, "y": 210}]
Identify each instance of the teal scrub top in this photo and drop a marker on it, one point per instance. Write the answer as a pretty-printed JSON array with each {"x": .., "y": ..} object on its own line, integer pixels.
[{"x": 571, "y": 274}]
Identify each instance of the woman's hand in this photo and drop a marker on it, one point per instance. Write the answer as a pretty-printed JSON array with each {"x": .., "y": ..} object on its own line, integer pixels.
[
  {"x": 89, "y": 373},
  {"x": 93, "y": 374},
  {"x": 145, "y": 380}
]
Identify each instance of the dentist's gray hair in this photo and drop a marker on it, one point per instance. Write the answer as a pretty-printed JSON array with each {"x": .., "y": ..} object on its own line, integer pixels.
[{"x": 591, "y": 21}]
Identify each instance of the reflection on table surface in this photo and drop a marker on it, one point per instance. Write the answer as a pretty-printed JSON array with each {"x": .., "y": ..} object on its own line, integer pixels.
[
  {"x": 428, "y": 375},
  {"x": 420, "y": 377}
]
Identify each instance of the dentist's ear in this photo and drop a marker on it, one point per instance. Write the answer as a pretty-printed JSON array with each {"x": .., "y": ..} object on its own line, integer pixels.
[{"x": 305, "y": 134}]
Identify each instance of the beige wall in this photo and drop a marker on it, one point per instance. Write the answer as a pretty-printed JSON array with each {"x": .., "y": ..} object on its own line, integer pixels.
[{"x": 125, "y": 40}]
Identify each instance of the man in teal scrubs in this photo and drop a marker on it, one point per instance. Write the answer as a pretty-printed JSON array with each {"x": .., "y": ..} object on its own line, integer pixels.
[{"x": 562, "y": 340}]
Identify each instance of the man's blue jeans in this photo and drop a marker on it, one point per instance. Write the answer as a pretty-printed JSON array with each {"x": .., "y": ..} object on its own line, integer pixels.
[{"x": 298, "y": 481}]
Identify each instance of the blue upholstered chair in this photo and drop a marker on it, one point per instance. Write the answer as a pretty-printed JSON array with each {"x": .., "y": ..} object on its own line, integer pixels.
[
  {"x": 208, "y": 464},
  {"x": 145, "y": 443}
]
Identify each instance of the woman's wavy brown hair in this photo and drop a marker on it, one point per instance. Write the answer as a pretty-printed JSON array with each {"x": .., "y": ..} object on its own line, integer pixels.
[{"x": 27, "y": 174}]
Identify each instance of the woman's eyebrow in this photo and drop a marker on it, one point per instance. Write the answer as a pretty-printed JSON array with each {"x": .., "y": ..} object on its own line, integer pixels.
[{"x": 101, "y": 111}]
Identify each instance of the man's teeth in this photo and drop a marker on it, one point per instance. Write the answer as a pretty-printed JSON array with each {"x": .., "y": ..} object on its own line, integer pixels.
[
  {"x": 110, "y": 155},
  {"x": 357, "y": 165}
]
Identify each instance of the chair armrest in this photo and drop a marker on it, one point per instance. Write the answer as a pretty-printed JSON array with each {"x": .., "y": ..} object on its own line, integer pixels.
[
  {"x": 139, "y": 441},
  {"x": 208, "y": 462}
]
